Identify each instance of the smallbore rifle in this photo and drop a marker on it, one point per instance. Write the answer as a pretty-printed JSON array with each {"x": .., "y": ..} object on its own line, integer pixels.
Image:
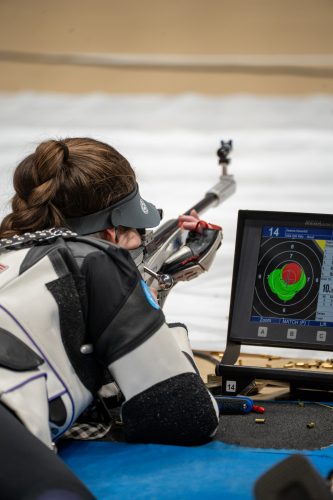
[{"x": 168, "y": 243}]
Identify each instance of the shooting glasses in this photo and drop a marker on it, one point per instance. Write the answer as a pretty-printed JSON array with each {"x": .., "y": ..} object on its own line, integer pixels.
[{"x": 132, "y": 211}]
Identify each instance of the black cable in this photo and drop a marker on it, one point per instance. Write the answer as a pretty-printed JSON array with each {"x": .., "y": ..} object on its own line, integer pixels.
[{"x": 206, "y": 357}]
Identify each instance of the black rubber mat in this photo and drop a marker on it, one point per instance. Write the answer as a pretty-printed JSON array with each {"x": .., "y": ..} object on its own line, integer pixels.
[{"x": 287, "y": 425}]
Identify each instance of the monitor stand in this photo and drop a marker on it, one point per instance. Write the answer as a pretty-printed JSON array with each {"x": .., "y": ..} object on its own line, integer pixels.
[{"x": 236, "y": 379}]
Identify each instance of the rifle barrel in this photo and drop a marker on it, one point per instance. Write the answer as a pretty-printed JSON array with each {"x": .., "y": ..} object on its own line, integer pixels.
[
  {"x": 208, "y": 200},
  {"x": 164, "y": 231}
]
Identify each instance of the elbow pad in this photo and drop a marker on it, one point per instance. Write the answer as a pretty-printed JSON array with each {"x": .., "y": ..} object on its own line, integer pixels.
[
  {"x": 180, "y": 334},
  {"x": 165, "y": 399}
]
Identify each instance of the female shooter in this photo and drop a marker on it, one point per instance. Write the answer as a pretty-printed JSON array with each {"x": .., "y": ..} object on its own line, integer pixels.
[{"x": 73, "y": 306}]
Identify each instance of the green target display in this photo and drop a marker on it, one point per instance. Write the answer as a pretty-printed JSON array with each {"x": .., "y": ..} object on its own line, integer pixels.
[{"x": 287, "y": 281}]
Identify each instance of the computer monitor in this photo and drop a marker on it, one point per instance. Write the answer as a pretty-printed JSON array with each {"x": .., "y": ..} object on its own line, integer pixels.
[
  {"x": 282, "y": 291},
  {"x": 282, "y": 294}
]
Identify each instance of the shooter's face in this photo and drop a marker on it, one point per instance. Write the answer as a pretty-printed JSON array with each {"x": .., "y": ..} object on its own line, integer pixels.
[
  {"x": 125, "y": 237},
  {"x": 128, "y": 238}
]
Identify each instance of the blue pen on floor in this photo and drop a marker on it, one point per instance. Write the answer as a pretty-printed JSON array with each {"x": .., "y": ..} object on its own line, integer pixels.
[{"x": 234, "y": 404}]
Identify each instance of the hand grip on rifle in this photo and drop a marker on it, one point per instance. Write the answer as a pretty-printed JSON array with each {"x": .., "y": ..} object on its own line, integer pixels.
[{"x": 198, "y": 252}]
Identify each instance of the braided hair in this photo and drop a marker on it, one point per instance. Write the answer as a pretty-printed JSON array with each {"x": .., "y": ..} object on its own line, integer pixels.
[{"x": 63, "y": 179}]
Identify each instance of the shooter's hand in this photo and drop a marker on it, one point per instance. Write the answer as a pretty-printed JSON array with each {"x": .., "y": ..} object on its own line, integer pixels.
[
  {"x": 189, "y": 222},
  {"x": 193, "y": 222}
]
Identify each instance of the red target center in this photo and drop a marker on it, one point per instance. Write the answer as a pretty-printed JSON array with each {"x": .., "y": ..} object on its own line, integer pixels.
[{"x": 291, "y": 273}]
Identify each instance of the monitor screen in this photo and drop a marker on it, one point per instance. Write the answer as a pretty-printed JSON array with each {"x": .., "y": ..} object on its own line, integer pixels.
[{"x": 282, "y": 292}]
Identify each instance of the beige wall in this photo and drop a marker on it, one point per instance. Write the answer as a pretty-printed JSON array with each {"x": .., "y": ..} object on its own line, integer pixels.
[{"x": 192, "y": 27}]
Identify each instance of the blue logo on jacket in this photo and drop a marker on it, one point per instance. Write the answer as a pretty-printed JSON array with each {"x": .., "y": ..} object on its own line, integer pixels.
[{"x": 149, "y": 295}]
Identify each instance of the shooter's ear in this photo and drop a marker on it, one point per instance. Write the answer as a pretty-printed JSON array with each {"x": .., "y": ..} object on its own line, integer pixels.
[{"x": 110, "y": 234}]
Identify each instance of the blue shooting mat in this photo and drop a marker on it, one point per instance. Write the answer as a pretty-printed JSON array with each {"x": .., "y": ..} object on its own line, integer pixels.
[{"x": 134, "y": 471}]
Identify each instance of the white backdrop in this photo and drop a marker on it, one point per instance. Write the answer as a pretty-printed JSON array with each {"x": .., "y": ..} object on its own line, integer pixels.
[{"x": 282, "y": 160}]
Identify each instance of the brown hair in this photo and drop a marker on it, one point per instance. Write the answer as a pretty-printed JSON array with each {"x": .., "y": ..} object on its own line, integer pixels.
[{"x": 63, "y": 179}]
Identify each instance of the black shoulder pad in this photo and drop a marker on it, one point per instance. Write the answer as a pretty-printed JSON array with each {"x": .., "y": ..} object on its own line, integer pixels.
[{"x": 15, "y": 354}]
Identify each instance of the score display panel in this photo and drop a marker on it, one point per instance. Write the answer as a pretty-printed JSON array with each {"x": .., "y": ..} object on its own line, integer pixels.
[{"x": 282, "y": 292}]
